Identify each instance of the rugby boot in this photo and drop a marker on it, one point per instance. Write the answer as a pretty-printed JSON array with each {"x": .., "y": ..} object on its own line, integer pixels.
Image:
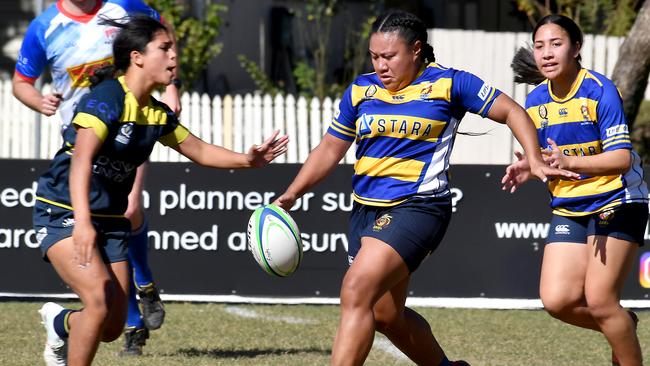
[
  {"x": 56, "y": 348},
  {"x": 153, "y": 311},
  {"x": 134, "y": 340}
]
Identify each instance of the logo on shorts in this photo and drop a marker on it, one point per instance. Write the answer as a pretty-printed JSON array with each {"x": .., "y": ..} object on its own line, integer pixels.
[
  {"x": 382, "y": 222},
  {"x": 40, "y": 235},
  {"x": 125, "y": 133},
  {"x": 644, "y": 270},
  {"x": 562, "y": 230},
  {"x": 68, "y": 222},
  {"x": 605, "y": 217},
  {"x": 350, "y": 260}
]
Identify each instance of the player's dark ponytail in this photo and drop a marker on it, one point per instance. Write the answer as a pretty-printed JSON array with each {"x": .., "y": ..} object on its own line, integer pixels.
[
  {"x": 523, "y": 63},
  {"x": 409, "y": 27}
]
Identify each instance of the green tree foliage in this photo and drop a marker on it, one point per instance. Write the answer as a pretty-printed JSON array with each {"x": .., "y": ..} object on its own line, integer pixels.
[
  {"x": 313, "y": 21},
  {"x": 194, "y": 37},
  {"x": 609, "y": 17}
]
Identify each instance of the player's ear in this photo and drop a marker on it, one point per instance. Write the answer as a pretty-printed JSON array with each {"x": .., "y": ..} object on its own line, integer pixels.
[
  {"x": 417, "y": 49},
  {"x": 136, "y": 58}
]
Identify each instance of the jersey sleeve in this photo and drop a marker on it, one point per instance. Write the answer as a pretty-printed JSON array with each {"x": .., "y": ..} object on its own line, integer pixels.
[
  {"x": 343, "y": 124},
  {"x": 472, "y": 93},
  {"x": 174, "y": 133},
  {"x": 32, "y": 58},
  {"x": 614, "y": 132},
  {"x": 100, "y": 110},
  {"x": 138, "y": 7}
]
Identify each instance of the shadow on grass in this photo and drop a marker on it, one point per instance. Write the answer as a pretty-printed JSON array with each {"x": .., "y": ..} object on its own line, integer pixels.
[{"x": 248, "y": 353}]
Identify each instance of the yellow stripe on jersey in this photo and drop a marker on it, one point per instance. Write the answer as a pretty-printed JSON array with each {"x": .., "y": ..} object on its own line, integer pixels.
[
  {"x": 487, "y": 100},
  {"x": 62, "y": 205},
  {"x": 574, "y": 87},
  {"x": 86, "y": 120},
  {"x": 564, "y": 212},
  {"x": 572, "y": 111},
  {"x": 586, "y": 187},
  {"x": 582, "y": 149},
  {"x": 147, "y": 115},
  {"x": 616, "y": 140},
  {"x": 343, "y": 129},
  {"x": 413, "y": 128},
  {"x": 439, "y": 89},
  {"x": 376, "y": 202},
  {"x": 408, "y": 170},
  {"x": 175, "y": 137}
]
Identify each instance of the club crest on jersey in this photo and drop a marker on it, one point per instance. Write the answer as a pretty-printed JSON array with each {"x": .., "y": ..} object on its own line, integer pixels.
[
  {"x": 110, "y": 34},
  {"x": 585, "y": 112},
  {"x": 371, "y": 91},
  {"x": 382, "y": 222},
  {"x": 124, "y": 136},
  {"x": 605, "y": 217},
  {"x": 365, "y": 124},
  {"x": 424, "y": 93},
  {"x": 543, "y": 114}
]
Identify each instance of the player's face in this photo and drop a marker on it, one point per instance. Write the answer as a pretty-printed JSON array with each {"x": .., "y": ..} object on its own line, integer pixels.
[
  {"x": 395, "y": 62},
  {"x": 159, "y": 59},
  {"x": 555, "y": 55}
]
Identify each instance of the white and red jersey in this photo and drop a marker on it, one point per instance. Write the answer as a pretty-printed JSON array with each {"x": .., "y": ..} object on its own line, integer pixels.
[{"x": 73, "y": 46}]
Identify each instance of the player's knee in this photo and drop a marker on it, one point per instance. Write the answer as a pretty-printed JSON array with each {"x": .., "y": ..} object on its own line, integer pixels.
[
  {"x": 557, "y": 305},
  {"x": 354, "y": 293},
  {"x": 602, "y": 307},
  {"x": 385, "y": 320}
]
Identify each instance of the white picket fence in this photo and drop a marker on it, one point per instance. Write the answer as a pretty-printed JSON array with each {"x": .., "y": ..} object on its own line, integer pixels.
[{"x": 237, "y": 122}]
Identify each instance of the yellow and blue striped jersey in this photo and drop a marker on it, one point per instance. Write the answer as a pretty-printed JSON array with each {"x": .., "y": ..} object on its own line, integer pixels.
[
  {"x": 404, "y": 138},
  {"x": 128, "y": 133},
  {"x": 588, "y": 121}
]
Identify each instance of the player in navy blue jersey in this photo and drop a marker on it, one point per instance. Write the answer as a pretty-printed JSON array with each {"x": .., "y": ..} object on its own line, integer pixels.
[
  {"x": 82, "y": 197},
  {"x": 599, "y": 219},
  {"x": 403, "y": 118},
  {"x": 70, "y": 38}
]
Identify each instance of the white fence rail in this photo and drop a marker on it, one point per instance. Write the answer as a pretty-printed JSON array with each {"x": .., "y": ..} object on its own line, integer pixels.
[{"x": 237, "y": 122}]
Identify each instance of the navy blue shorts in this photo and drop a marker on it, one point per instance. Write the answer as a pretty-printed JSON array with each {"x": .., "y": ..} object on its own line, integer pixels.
[
  {"x": 413, "y": 228},
  {"x": 625, "y": 222},
  {"x": 53, "y": 224}
]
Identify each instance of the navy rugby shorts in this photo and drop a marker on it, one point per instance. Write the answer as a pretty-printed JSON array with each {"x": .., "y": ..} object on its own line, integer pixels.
[
  {"x": 53, "y": 224},
  {"x": 625, "y": 222},
  {"x": 413, "y": 228}
]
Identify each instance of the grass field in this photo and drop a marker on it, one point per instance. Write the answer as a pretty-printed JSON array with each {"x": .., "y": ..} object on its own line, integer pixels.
[{"x": 226, "y": 334}]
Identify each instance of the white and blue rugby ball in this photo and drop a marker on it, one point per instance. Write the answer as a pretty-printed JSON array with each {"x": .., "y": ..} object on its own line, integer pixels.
[{"x": 274, "y": 240}]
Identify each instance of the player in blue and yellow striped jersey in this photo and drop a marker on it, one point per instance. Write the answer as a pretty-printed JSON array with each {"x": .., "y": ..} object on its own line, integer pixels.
[
  {"x": 599, "y": 219},
  {"x": 403, "y": 118},
  {"x": 81, "y": 199}
]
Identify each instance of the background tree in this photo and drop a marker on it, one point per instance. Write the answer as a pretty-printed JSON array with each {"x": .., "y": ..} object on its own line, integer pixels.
[
  {"x": 195, "y": 37},
  {"x": 313, "y": 24}
]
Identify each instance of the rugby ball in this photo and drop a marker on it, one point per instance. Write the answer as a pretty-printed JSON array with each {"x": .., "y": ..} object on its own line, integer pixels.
[{"x": 274, "y": 240}]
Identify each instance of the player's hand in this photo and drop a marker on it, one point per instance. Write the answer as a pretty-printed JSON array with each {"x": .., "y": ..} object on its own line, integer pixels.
[
  {"x": 50, "y": 103},
  {"x": 286, "y": 201},
  {"x": 271, "y": 148},
  {"x": 84, "y": 238},
  {"x": 553, "y": 156},
  {"x": 517, "y": 173}
]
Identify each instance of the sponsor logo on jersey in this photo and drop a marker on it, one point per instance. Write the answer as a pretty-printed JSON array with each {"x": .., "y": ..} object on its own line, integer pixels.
[
  {"x": 68, "y": 222},
  {"x": 484, "y": 92},
  {"x": 382, "y": 222},
  {"x": 124, "y": 136},
  {"x": 371, "y": 91},
  {"x": 398, "y": 97},
  {"x": 562, "y": 230},
  {"x": 80, "y": 74},
  {"x": 110, "y": 34},
  {"x": 366, "y": 123},
  {"x": 563, "y": 112},
  {"x": 616, "y": 130}
]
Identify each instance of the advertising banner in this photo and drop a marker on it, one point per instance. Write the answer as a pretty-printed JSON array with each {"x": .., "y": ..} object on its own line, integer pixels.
[{"x": 198, "y": 218}]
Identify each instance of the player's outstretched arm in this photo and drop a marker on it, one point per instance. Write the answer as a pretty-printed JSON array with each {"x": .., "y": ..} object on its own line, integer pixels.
[
  {"x": 320, "y": 163},
  {"x": 215, "y": 156},
  {"x": 506, "y": 110}
]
